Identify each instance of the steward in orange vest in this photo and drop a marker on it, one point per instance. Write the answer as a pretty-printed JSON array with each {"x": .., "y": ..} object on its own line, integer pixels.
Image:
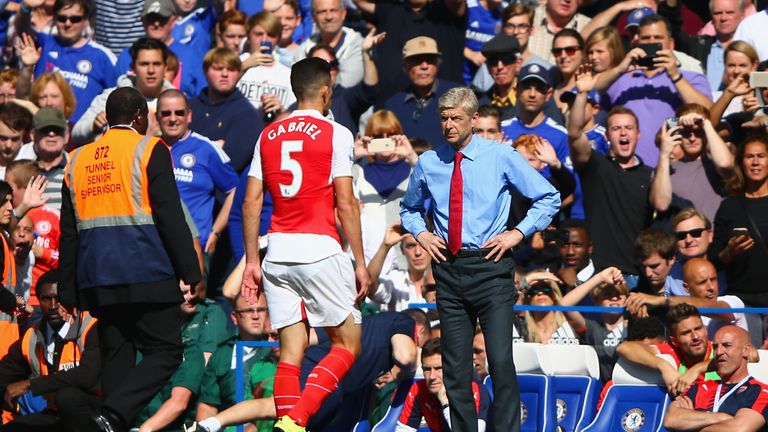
[
  {"x": 9, "y": 329},
  {"x": 53, "y": 370},
  {"x": 124, "y": 249}
]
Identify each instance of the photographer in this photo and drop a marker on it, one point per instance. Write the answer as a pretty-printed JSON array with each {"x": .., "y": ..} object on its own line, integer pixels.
[
  {"x": 652, "y": 69},
  {"x": 698, "y": 175},
  {"x": 385, "y": 159}
]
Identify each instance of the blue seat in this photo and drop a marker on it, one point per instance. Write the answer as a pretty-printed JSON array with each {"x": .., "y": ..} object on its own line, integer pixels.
[
  {"x": 389, "y": 422},
  {"x": 575, "y": 401},
  {"x": 573, "y": 371},
  {"x": 537, "y": 402},
  {"x": 636, "y": 408},
  {"x": 636, "y": 402}
]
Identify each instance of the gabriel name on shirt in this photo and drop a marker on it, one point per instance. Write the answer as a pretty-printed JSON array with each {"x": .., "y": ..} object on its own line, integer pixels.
[{"x": 298, "y": 125}]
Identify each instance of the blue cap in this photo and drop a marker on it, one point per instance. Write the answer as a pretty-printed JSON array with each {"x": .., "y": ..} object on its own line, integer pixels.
[
  {"x": 569, "y": 95},
  {"x": 534, "y": 71},
  {"x": 637, "y": 15}
]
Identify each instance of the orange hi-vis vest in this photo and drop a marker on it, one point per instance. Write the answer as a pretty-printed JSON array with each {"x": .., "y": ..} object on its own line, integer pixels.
[
  {"x": 118, "y": 242},
  {"x": 33, "y": 347},
  {"x": 9, "y": 329}
]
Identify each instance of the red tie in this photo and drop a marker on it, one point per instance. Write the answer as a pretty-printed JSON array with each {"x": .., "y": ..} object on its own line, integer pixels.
[{"x": 456, "y": 205}]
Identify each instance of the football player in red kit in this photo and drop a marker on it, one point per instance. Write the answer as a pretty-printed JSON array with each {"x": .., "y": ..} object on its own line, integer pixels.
[{"x": 305, "y": 162}]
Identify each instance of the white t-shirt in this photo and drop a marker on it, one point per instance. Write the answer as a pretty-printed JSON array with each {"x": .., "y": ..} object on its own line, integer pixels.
[
  {"x": 754, "y": 31},
  {"x": 260, "y": 80},
  {"x": 713, "y": 324},
  {"x": 396, "y": 291}
]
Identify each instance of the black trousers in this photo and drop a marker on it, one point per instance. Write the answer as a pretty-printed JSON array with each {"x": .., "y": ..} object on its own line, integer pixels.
[
  {"x": 155, "y": 330},
  {"x": 468, "y": 289},
  {"x": 73, "y": 408}
]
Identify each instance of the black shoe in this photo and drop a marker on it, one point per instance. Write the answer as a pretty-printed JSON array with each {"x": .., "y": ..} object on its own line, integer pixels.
[{"x": 100, "y": 423}]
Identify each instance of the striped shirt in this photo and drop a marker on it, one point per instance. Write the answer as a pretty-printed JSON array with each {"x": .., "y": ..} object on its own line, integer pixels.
[
  {"x": 118, "y": 23},
  {"x": 540, "y": 43}
]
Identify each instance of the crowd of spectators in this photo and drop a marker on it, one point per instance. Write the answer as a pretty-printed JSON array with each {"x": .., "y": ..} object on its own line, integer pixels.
[{"x": 648, "y": 116}]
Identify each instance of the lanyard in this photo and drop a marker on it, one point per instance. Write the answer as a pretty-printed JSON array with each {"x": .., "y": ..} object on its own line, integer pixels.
[{"x": 719, "y": 401}]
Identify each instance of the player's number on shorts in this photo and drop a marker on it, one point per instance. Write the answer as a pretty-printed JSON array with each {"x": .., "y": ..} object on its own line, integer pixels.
[{"x": 289, "y": 164}]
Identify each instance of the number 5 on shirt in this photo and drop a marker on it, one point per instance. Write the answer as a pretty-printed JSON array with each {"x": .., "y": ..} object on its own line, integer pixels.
[{"x": 289, "y": 164}]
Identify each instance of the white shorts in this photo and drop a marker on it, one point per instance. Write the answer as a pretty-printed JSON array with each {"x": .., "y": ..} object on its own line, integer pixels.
[{"x": 321, "y": 292}]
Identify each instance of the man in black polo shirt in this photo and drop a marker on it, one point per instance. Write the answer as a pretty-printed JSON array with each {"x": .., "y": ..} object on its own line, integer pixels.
[
  {"x": 615, "y": 189},
  {"x": 442, "y": 20}
]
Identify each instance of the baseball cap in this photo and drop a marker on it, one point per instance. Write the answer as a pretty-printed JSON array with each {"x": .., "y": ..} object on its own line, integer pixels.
[
  {"x": 570, "y": 95},
  {"x": 164, "y": 8},
  {"x": 637, "y": 15},
  {"x": 419, "y": 46},
  {"x": 534, "y": 71},
  {"x": 501, "y": 44},
  {"x": 49, "y": 117}
]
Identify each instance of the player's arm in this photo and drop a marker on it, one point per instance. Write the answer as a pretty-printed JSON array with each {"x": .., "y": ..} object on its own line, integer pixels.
[
  {"x": 254, "y": 199},
  {"x": 404, "y": 352},
  {"x": 169, "y": 411},
  {"x": 745, "y": 420},
  {"x": 683, "y": 417}
]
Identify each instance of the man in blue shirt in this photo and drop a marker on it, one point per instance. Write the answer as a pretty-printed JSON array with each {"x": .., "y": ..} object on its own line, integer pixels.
[
  {"x": 469, "y": 182},
  {"x": 201, "y": 168},
  {"x": 87, "y": 66}
]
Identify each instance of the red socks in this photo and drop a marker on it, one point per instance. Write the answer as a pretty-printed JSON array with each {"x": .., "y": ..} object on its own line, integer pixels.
[
  {"x": 322, "y": 381},
  {"x": 287, "y": 389}
]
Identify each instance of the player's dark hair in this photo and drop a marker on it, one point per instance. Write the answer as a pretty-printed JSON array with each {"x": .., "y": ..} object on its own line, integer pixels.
[
  {"x": 148, "y": 44},
  {"x": 308, "y": 76},
  {"x": 432, "y": 347},
  {"x": 419, "y": 317},
  {"x": 679, "y": 313},
  {"x": 123, "y": 104},
  {"x": 646, "y": 328}
]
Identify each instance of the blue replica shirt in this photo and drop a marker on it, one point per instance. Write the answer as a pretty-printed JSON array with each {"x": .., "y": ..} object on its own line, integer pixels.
[
  {"x": 482, "y": 26},
  {"x": 88, "y": 69},
  {"x": 597, "y": 139},
  {"x": 201, "y": 168},
  {"x": 489, "y": 172},
  {"x": 190, "y": 63},
  {"x": 557, "y": 135},
  {"x": 194, "y": 30}
]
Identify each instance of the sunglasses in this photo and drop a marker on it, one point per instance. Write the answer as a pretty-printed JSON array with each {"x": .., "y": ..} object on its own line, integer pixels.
[
  {"x": 177, "y": 113},
  {"x": 74, "y": 19},
  {"x": 695, "y": 233},
  {"x": 536, "y": 290},
  {"x": 52, "y": 129},
  {"x": 506, "y": 59},
  {"x": 570, "y": 51}
]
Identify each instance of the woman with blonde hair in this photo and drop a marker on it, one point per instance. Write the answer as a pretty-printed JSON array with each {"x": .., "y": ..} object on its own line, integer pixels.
[{"x": 735, "y": 95}]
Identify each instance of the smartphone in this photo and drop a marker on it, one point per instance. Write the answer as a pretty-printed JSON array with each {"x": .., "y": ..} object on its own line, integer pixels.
[
  {"x": 758, "y": 79},
  {"x": 740, "y": 231},
  {"x": 268, "y": 44},
  {"x": 651, "y": 52},
  {"x": 673, "y": 122},
  {"x": 381, "y": 145}
]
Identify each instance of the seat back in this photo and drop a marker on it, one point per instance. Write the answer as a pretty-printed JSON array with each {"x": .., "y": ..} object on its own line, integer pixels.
[
  {"x": 636, "y": 402},
  {"x": 575, "y": 371},
  {"x": 759, "y": 370},
  {"x": 389, "y": 422},
  {"x": 537, "y": 402},
  {"x": 635, "y": 408}
]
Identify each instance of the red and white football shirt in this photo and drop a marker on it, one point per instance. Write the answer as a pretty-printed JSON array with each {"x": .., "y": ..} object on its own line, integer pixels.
[{"x": 298, "y": 158}]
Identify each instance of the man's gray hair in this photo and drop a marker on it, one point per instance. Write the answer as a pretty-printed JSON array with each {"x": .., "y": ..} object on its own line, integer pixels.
[
  {"x": 459, "y": 97},
  {"x": 740, "y": 4}
]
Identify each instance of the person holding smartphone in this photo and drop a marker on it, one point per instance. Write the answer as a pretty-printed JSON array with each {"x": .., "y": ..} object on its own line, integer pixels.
[{"x": 741, "y": 227}]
